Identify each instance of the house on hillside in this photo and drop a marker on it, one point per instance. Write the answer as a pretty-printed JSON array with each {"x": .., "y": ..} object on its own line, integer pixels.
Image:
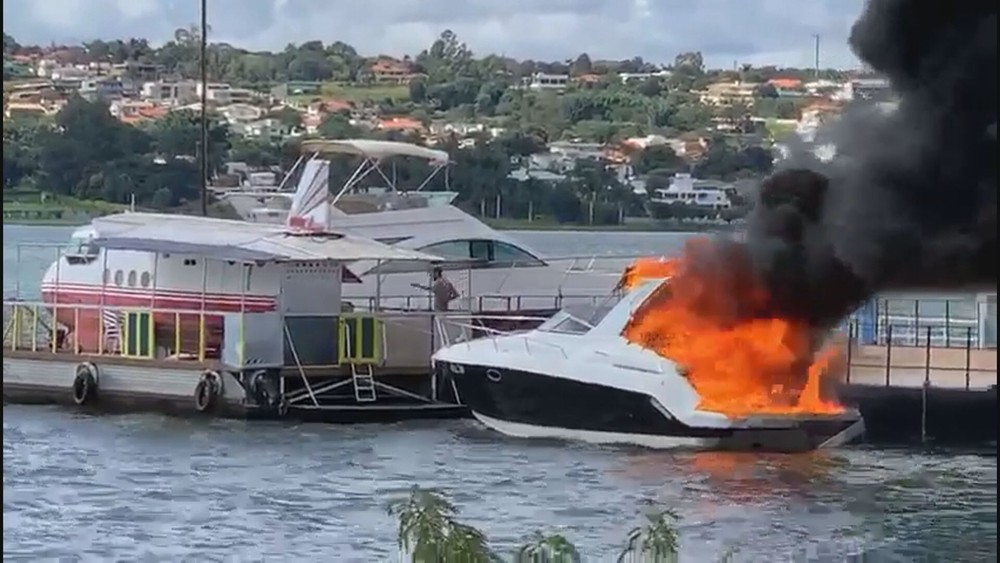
[
  {"x": 722, "y": 94},
  {"x": 295, "y": 88},
  {"x": 135, "y": 112},
  {"x": 387, "y": 70},
  {"x": 241, "y": 113},
  {"x": 401, "y": 124},
  {"x": 543, "y": 81},
  {"x": 174, "y": 93}
]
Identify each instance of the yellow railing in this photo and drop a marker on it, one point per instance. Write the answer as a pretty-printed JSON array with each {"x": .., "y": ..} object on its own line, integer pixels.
[
  {"x": 38, "y": 326},
  {"x": 359, "y": 339}
]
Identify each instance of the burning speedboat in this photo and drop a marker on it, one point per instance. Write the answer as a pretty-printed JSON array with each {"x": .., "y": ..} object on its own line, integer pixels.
[{"x": 571, "y": 379}]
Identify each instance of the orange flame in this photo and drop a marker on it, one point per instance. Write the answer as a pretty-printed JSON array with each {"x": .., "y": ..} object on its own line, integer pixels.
[
  {"x": 738, "y": 366},
  {"x": 646, "y": 269}
]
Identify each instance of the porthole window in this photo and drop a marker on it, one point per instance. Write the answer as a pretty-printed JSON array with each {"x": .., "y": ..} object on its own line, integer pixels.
[
  {"x": 132, "y": 278},
  {"x": 119, "y": 277},
  {"x": 107, "y": 276},
  {"x": 145, "y": 279}
]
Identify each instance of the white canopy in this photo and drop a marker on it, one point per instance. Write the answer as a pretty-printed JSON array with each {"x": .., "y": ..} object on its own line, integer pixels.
[
  {"x": 372, "y": 148},
  {"x": 224, "y": 239}
]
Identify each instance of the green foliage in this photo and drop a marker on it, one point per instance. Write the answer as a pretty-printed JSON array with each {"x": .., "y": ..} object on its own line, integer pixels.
[
  {"x": 548, "y": 549},
  {"x": 655, "y": 541},
  {"x": 428, "y": 531}
]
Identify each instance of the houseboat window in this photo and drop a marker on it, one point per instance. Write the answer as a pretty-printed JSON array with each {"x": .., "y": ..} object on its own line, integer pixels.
[
  {"x": 145, "y": 279},
  {"x": 119, "y": 277},
  {"x": 131, "y": 278}
]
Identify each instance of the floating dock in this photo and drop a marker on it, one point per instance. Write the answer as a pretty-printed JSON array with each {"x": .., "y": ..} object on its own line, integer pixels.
[{"x": 914, "y": 387}]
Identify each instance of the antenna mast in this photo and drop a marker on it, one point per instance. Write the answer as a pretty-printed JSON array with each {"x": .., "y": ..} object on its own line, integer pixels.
[
  {"x": 816, "y": 60},
  {"x": 204, "y": 107}
]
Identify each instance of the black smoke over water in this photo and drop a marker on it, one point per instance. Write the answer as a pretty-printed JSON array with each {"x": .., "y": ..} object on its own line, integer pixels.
[{"x": 910, "y": 199}]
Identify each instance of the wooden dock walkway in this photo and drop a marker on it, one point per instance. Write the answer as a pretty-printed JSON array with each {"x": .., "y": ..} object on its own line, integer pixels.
[{"x": 912, "y": 366}]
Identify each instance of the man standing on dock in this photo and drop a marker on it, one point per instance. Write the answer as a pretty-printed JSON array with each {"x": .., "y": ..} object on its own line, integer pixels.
[{"x": 444, "y": 292}]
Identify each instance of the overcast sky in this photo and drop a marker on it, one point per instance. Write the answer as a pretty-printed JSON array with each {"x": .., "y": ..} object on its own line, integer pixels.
[{"x": 749, "y": 31}]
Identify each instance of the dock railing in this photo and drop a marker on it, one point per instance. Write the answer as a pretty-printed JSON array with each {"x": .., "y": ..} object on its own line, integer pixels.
[
  {"x": 923, "y": 359},
  {"x": 158, "y": 333},
  {"x": 486, "y": 303},
  {"x": 394, "y": 339}
]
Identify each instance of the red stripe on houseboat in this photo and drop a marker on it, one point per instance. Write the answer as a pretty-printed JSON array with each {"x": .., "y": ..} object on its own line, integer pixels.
[{"x": 161, "y": 299}]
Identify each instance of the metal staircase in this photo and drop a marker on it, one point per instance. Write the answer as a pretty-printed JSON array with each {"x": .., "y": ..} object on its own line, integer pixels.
[{"x": 364, "y": 383}]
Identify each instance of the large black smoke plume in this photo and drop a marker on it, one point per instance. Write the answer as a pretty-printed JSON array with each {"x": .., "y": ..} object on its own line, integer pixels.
[{"x": 910, "y": 199}]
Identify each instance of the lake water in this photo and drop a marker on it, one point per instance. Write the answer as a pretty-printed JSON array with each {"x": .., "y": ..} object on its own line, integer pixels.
[{"x": 152, "y": 488}]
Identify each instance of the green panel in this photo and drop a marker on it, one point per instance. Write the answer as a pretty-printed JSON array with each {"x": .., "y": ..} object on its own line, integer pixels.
[
  {"x": 131, "y": 346},
  {"x": 144, "y": 334},
  {"x": 368, "y": 333}
]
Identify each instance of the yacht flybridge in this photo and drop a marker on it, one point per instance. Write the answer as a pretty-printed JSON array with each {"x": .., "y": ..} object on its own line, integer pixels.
[{"x": 492, "y": 270}]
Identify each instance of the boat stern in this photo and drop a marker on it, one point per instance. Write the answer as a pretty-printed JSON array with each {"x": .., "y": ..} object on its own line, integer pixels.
[{"x": 794, "y": 433}]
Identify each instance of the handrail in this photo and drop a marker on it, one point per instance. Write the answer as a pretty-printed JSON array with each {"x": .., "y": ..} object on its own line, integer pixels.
[{"x": 922, "y": 364}]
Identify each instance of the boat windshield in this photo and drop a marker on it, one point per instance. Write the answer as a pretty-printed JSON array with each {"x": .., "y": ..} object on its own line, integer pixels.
[{"x": 575, "y": 320}]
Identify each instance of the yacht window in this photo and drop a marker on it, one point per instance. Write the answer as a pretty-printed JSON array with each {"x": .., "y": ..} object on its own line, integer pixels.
[
  {"x": 81, "y": 251},
  {"x": 449, "y": 250},
  {"x": 565, "y": 323},
  {"x": 131, "y": 278},
  {"x": 505, "y": 254},
  {"x": 392, "y": 240},
  {"x": 119, "y": 277},
  {"x": 481, "y": 250},
  {"x": 145, "y": 279}
]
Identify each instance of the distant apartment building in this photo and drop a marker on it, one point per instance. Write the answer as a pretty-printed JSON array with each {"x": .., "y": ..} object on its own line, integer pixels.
[
  {"x": 171, "y": 93},
  {"x": 140, "y": 72},
  {"x": 223, "y": 94},
  {"x": 70, "y": 77},
  {"x": 106, "y": 88}
]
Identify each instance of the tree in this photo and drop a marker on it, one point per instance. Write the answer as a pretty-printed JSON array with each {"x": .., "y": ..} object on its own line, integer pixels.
[
  {"x": 581, "y": 65},
  {"x": 10, "y": 45},
  {"x": 337, "y": 126},
  {"x": 429, "y": 530},
  {"x": 657, "y": 157}
]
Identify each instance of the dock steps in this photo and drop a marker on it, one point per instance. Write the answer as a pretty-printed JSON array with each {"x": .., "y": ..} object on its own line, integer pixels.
[{"x": 363, "y": 377}]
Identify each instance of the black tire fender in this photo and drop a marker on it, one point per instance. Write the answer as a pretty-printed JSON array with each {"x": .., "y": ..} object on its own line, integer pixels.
[
  {"x": 85, "y": 383},
  {"x": 207, "y": 391}
]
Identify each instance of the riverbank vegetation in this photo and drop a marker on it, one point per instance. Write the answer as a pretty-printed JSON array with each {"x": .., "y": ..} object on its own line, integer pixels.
[
  {"x": 84, "y": 153},
  {"x": 429, "y": 530}
]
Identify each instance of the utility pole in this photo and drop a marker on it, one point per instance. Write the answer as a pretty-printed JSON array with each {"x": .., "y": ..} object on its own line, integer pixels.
[
  {"x": 816, "y": 61},
  {"x": 204, "y": 107}
]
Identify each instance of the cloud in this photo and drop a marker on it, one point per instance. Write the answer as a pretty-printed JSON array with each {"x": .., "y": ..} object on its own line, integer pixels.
[{"x": 725, "y": 31}]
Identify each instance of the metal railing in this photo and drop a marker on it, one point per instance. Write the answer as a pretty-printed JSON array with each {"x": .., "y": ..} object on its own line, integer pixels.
[
  {"x": 950, "y": 321},
  {"x": 469, "y": 325},
  {"x": 921, "y": 361},
  {"x": 480, "y": 303},
  {"x": 157, "y": 333}
]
